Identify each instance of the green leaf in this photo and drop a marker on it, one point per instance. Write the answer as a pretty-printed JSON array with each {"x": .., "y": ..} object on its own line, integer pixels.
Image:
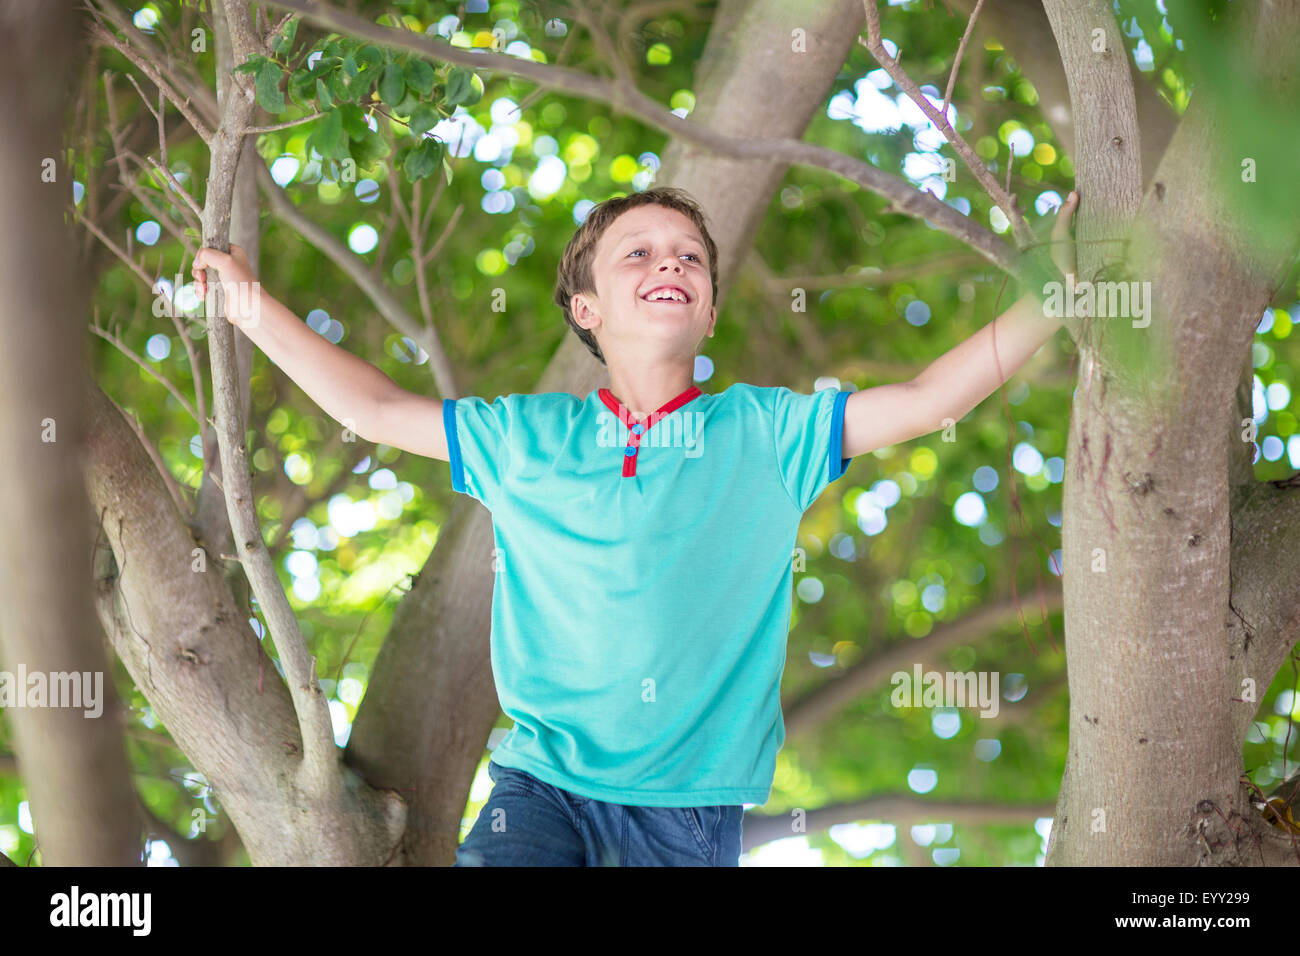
[
  {"x": 391, "y": 85},
  {"x": 423, "y": 119},
  {"x": 339, "y": 88},
  {"x": 368, "y": 148},
  {"x": 268, "y": 87},
  {"x": 329, "y": 138},
  {"x": 408, "y": 104},
  {"x": 422, "y": 160},
  {"x": 252, "y": 65},
  {"x": 459, "y": 86},
  {"x": 370, "y": 56},
  {"x": 475, "y": 90},
  {"x": 446, "y": 166},
  {"x": 350, "y": 65},
  {"x": 284, "y": 41},
  {"x": 354, "y": 120},
  {"x": 323, "y": 97},
  {"x": 325, "y": 64},
  {"x": 301, "y": 87},
  {"x": 419, "y": 76}
]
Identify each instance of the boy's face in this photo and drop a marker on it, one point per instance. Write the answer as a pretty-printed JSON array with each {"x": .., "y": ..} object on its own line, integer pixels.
[{"x": 644, "y": 250}]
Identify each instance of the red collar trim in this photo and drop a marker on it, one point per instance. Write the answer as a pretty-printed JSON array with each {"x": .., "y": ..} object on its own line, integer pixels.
[
  {"x": 625, "y": 415},
  {"x": 637, "y": 429}
]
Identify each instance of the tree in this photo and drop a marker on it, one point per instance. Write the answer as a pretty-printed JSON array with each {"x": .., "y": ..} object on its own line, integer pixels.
[{"x": 1161, "y": 545}]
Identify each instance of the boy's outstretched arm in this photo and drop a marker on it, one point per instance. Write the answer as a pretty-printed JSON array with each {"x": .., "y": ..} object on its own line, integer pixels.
[
  {"x": 349, "y": 389},
  {"x": 962, "y": 377}
]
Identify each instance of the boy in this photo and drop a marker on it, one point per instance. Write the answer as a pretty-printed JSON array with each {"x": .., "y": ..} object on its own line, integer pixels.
[{"x": 644, "y": 537}]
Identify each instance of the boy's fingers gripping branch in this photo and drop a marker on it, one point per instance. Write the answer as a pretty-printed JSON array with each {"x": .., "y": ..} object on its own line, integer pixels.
[
  {"x": 231, "y": 267},
  {"x": 235, "y": 275}
]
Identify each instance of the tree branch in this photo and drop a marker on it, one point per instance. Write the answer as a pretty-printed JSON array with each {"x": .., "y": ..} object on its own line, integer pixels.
[
  {"x": 320, "y": 754},
  {"x": 870, "y": 277},
  {"x": 1107, "y": 138},
  {"x": 1024, "y": 235},
  {"x": 906, "y": 199},
  {"x": 121, "y": 153},
  {"x": 254, "y": 130},
  {"x": 158, "y": 376},
  {"x": 102, "y": 34},
  {"x": 356, "y": 269},
  {"x": 195, "y": 92},
  {"x": 961, "y": 50},
  {"x": 190, "y": 650},
  {"x": 903, "y": 809},
  {"x": 822, "y": 703}
]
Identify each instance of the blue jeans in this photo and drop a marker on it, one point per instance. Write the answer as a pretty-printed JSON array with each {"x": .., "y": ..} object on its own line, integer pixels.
[{"x": 528, "y": 822}]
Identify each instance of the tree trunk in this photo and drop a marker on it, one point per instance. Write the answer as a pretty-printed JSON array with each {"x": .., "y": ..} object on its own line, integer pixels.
[
  {"x": 72, "y": 759},
  {"x": 1153, "y": 648}
]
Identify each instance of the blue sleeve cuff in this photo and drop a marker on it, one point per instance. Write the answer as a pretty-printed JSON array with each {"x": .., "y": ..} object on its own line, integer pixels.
[
  {"x": 453, "y": 445},
  {"x": 836, "y": 465}
]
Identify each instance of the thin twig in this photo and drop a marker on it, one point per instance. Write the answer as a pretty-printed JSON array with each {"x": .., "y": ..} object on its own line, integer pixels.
[
  {"x": 961, "y": 49},
  {"x": 162, "y": 148},
  {"x": 186, "y": 213},
  {"x": 117, "y": 250},
  {"x": 120, "y": 155},
  {"x": 608, "y": 51},
  {"x": 122, "y": 347},
  {"x": 1001, "y": 197},
  {"x": 195, "y": 90},
  {"x": 285, "y": 125},
  {"x": 149, "y": 70},
  {"x": 183, "y": 506},
  {"x": 275, "y": 32},
  {"x": 446, "y": 232},
  {"x": 180, "y": 190},
  {"x": 905, "y": 197}
]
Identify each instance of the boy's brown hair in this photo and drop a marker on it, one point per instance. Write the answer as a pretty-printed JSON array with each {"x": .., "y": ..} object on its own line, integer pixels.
[{"x": 574, "y": 274}]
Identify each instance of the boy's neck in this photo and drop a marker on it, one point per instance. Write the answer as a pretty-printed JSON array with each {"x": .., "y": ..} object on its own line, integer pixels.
[{"x": 645, "y": 390}]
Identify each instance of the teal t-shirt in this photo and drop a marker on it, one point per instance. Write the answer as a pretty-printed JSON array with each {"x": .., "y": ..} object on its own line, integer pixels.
[{"x": 641, "y": 607}]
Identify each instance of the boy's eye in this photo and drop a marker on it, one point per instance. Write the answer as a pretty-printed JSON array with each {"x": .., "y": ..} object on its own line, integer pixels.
[{"x": 691, "y": 254}]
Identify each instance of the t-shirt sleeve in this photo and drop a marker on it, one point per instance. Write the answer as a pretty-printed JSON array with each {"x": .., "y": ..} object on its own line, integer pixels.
[
  {"x": 478, "y": 445},
  {"x": 809, "y": 432}
]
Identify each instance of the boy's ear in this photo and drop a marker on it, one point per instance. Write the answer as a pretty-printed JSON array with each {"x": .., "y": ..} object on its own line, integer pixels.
[
  {"x": 713, "y": 318},
  {"x": 581, "y": 310}
]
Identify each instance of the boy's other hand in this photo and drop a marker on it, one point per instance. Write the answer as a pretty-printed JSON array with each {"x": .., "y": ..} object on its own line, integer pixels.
[
  {"x": 231, "y": 267},
  {"x": 1062, "y": 243}
]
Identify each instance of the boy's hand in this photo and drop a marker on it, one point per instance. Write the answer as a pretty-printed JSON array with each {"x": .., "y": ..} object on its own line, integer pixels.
[
  {"x": 231, "y": 267},
  {"x": 1062, "y": 243}
]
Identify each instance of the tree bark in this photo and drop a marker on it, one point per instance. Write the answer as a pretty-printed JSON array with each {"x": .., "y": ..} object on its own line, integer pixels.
[
  {"x": 73, "y": 761},
  {"x": 190, "y": 650},
  {"x": 1153, "y": 648},
  {"x": 245, "y": 231},
  {"x": 1023, "y": 29}
]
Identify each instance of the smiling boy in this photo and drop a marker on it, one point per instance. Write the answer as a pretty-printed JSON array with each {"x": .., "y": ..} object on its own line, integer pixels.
[{"x": 642, "y": 605}]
